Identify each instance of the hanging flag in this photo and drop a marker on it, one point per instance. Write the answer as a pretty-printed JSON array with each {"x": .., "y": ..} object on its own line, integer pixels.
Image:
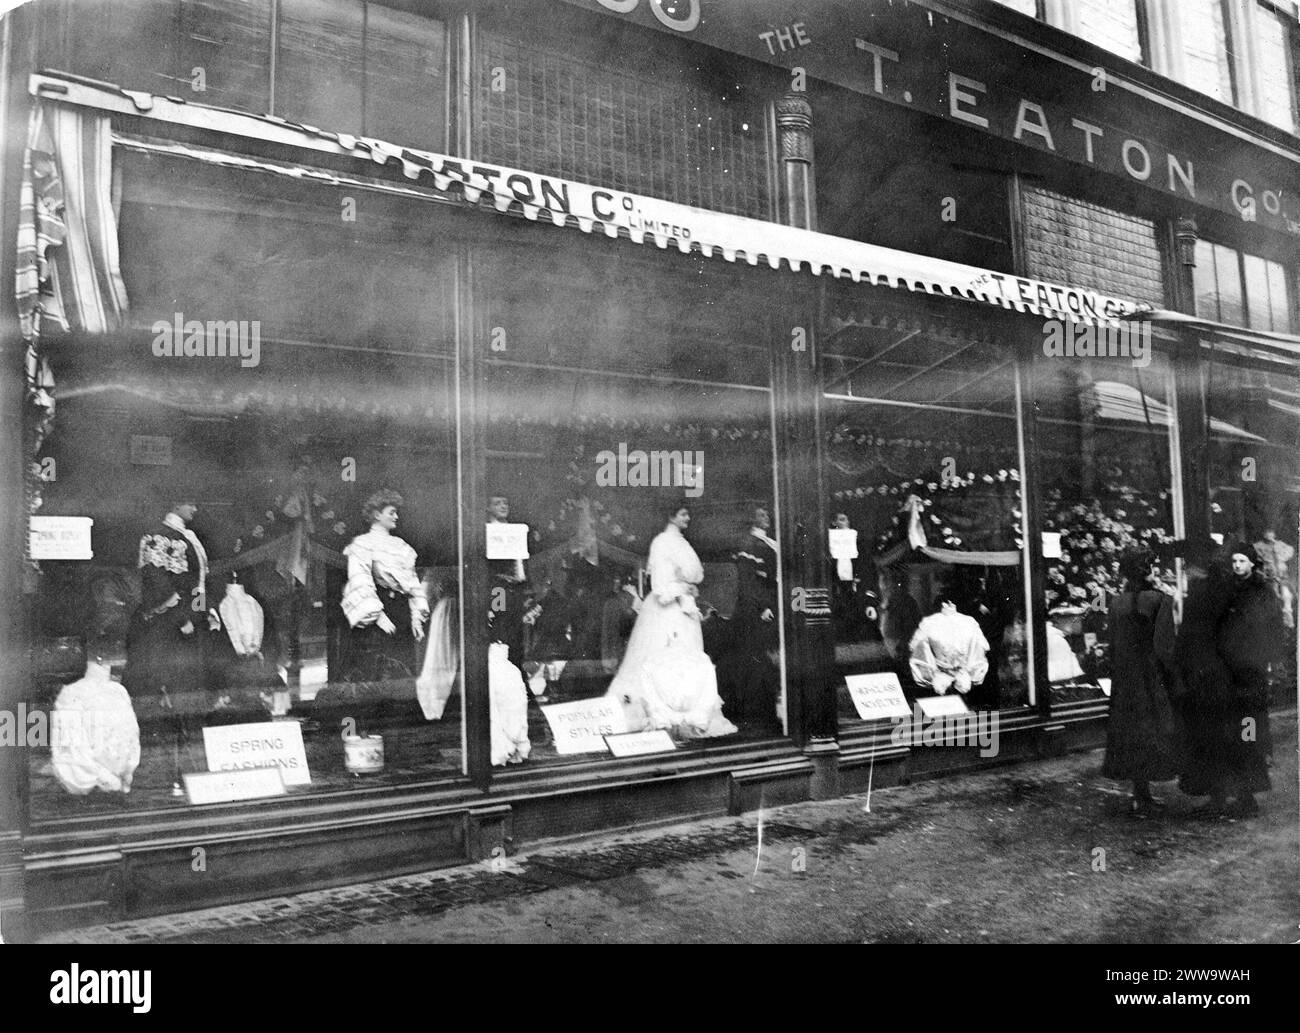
[{"x": 68, "y": 272}]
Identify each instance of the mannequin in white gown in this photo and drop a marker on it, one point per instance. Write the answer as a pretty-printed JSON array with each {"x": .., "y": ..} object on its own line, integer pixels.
[{"x": 666, "y": 680}]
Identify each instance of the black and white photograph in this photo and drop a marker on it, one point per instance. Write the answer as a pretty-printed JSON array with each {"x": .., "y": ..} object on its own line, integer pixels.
[{"x": 651, "y": 472}]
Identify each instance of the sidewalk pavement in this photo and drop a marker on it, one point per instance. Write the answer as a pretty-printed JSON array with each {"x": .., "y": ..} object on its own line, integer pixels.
[{"x": 1039, "y": 852}]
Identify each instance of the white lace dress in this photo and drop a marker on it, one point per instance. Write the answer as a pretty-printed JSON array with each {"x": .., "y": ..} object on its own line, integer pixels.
[{"x": 666, "y": 680}]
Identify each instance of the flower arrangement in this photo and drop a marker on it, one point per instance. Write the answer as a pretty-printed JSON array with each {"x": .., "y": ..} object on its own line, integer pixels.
[
  {"x": 1094, "y": 534},
  {"x": 945, "y": 509}
]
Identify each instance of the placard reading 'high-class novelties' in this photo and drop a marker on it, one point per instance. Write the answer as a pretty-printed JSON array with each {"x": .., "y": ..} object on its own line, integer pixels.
[
  {"x": 268, "y": 744},
  {"x": 507, "y": 541},
  {"x": 638, "y": 744},
  {"x": 942, "y": 706},
  {"x": 581, "y": 726},
  {"x": 877, "y": 696},
  {"x": 229, "y": 786},
  {"x": 61, "y": 538}
]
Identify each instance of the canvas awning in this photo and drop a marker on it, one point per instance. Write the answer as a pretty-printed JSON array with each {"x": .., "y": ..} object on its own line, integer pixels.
[
  {"x": 1112, "y": 400},
  {"x": 1273, "y": 344},
  {"x": 615, "y": 213}
]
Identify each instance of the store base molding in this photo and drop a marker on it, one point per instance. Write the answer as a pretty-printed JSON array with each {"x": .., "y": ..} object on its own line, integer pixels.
[
  {"x": 86, "y": 873},
  {"x": 12, "y": 881},
  {"x": 870, "y": 760},
  {"x": 824, "y": 756},
  {"x": 771, "y": 785},
  {"x": 1052, "y": 741},
  {"x": 185, "y": 863},
  {"x": 489, "y": 831}
]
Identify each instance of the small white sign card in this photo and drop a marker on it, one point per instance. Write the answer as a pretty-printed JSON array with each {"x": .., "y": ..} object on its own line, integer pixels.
[
  {"x": 942, "y": 706},
  {"x": 151, "y": 450},
  {"x": 229, "y": 786},
  {"x": 581, "y": 726},
  {"x": 878, "y": 696},
  {"x": 1051, "y": 545},
  {"x": 267, "y": 744},
  {"x": 61, "y": 538},
  {"x": 637, "y": 744},
  {"x": 507, "y": 541},
  {"x": 844, "y": 543}
]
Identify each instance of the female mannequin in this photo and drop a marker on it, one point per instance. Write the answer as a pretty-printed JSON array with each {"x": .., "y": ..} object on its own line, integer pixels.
[
  {"x": 666, "y": 680},
  {"x": 384, "y": 599}
]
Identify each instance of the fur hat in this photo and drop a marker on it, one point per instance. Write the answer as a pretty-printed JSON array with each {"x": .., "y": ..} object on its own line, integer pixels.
[{"x": 1247, "y": 550}]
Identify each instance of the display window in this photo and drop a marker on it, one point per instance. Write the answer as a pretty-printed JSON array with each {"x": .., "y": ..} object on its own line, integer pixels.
[
  {"x": 633, "y": 569},
  {"x": 263, "y": 470},
  {"x": 1104, "y": 430},
  {"x": 1253, "y": 467},
  {"x": 924, "y": 481}
]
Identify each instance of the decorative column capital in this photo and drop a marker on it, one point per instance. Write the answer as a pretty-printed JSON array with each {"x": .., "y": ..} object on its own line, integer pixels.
[
  {"x": 1186, "y": 236},
  {"x": 794, "y": 127}
]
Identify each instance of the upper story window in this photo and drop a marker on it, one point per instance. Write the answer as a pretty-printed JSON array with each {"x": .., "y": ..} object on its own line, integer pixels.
[
  {"x": 1116, "y": 25},
  {"x": 1241, "y": 289},
  {"x": 1119, "y": 26},
  {"x": 341, "y": 65},
  {"x": 1240, "y": 52},
  {"x": 1202, "y": 39},
  {"x": 1276, "y": 66}
]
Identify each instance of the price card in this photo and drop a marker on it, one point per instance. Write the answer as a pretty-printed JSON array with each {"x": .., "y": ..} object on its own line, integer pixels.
[
  {"x": 507, "y": 541},
  {"x": 941, "y": 706},
  {"x": 229, "y": 786},
  {"x": 636, "y": 744},
  {"x": 843, "y": 543}
]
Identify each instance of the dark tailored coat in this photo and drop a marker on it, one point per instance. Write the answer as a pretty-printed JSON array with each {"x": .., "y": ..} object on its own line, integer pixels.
[
  {"x": 160, "y": 656},
  {"x": 509, "y": 604},
  {"x": 1142, "y": 740},
  {"x": 1229, "y": 635},
  {"x": 749, "y": 688}
]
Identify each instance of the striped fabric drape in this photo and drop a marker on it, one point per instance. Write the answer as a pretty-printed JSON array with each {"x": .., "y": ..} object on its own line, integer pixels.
[{"x": 68, "y": 272}]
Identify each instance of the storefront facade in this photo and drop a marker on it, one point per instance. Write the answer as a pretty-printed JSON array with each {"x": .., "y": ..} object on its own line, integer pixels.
[{"x": 495, "y": 293}]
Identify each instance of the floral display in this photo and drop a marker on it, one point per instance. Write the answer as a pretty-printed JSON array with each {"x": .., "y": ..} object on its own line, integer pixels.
[{"x": 1094, "y": 534}]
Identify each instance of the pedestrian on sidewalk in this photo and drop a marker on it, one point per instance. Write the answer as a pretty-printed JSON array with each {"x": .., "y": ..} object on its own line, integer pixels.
[
  {"x": 1229, "y": 632},
  {"x": 1141, "y": 734},
  {"x": 1248, "y": 640}
]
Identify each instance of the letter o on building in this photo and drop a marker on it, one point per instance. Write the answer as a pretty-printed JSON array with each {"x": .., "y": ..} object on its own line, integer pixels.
[
  {"x": 1272, "y": 203},
  {"x": 1133, "y": 145},
  {"x": 522, "y": 188},
  {"x": 686, "y": 24}
]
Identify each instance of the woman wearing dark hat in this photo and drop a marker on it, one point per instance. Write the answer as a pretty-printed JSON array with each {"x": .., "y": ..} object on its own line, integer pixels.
[
  {"x": 1141, "y": 734},
  {"x": 1248, "y": 638}
]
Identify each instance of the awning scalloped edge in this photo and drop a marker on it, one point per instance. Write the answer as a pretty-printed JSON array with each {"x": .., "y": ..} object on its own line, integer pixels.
[{"x": 567, "y": 203}]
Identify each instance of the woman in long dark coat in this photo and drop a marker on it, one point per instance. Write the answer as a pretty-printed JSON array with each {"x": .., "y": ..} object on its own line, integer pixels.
[
  {"x": 1141, "y": 733},
  {"x": 1230, "y": 631},
  {"x": 1248, "y": 640}
]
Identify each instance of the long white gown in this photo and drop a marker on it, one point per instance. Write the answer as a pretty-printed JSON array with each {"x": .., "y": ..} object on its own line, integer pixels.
[{"x": 666, "y": 680}]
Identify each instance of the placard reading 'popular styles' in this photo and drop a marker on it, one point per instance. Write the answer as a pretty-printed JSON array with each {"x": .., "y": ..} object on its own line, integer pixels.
[
  {"x": 268, "y": 744},
  {"x": 581, "y": 726}
]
